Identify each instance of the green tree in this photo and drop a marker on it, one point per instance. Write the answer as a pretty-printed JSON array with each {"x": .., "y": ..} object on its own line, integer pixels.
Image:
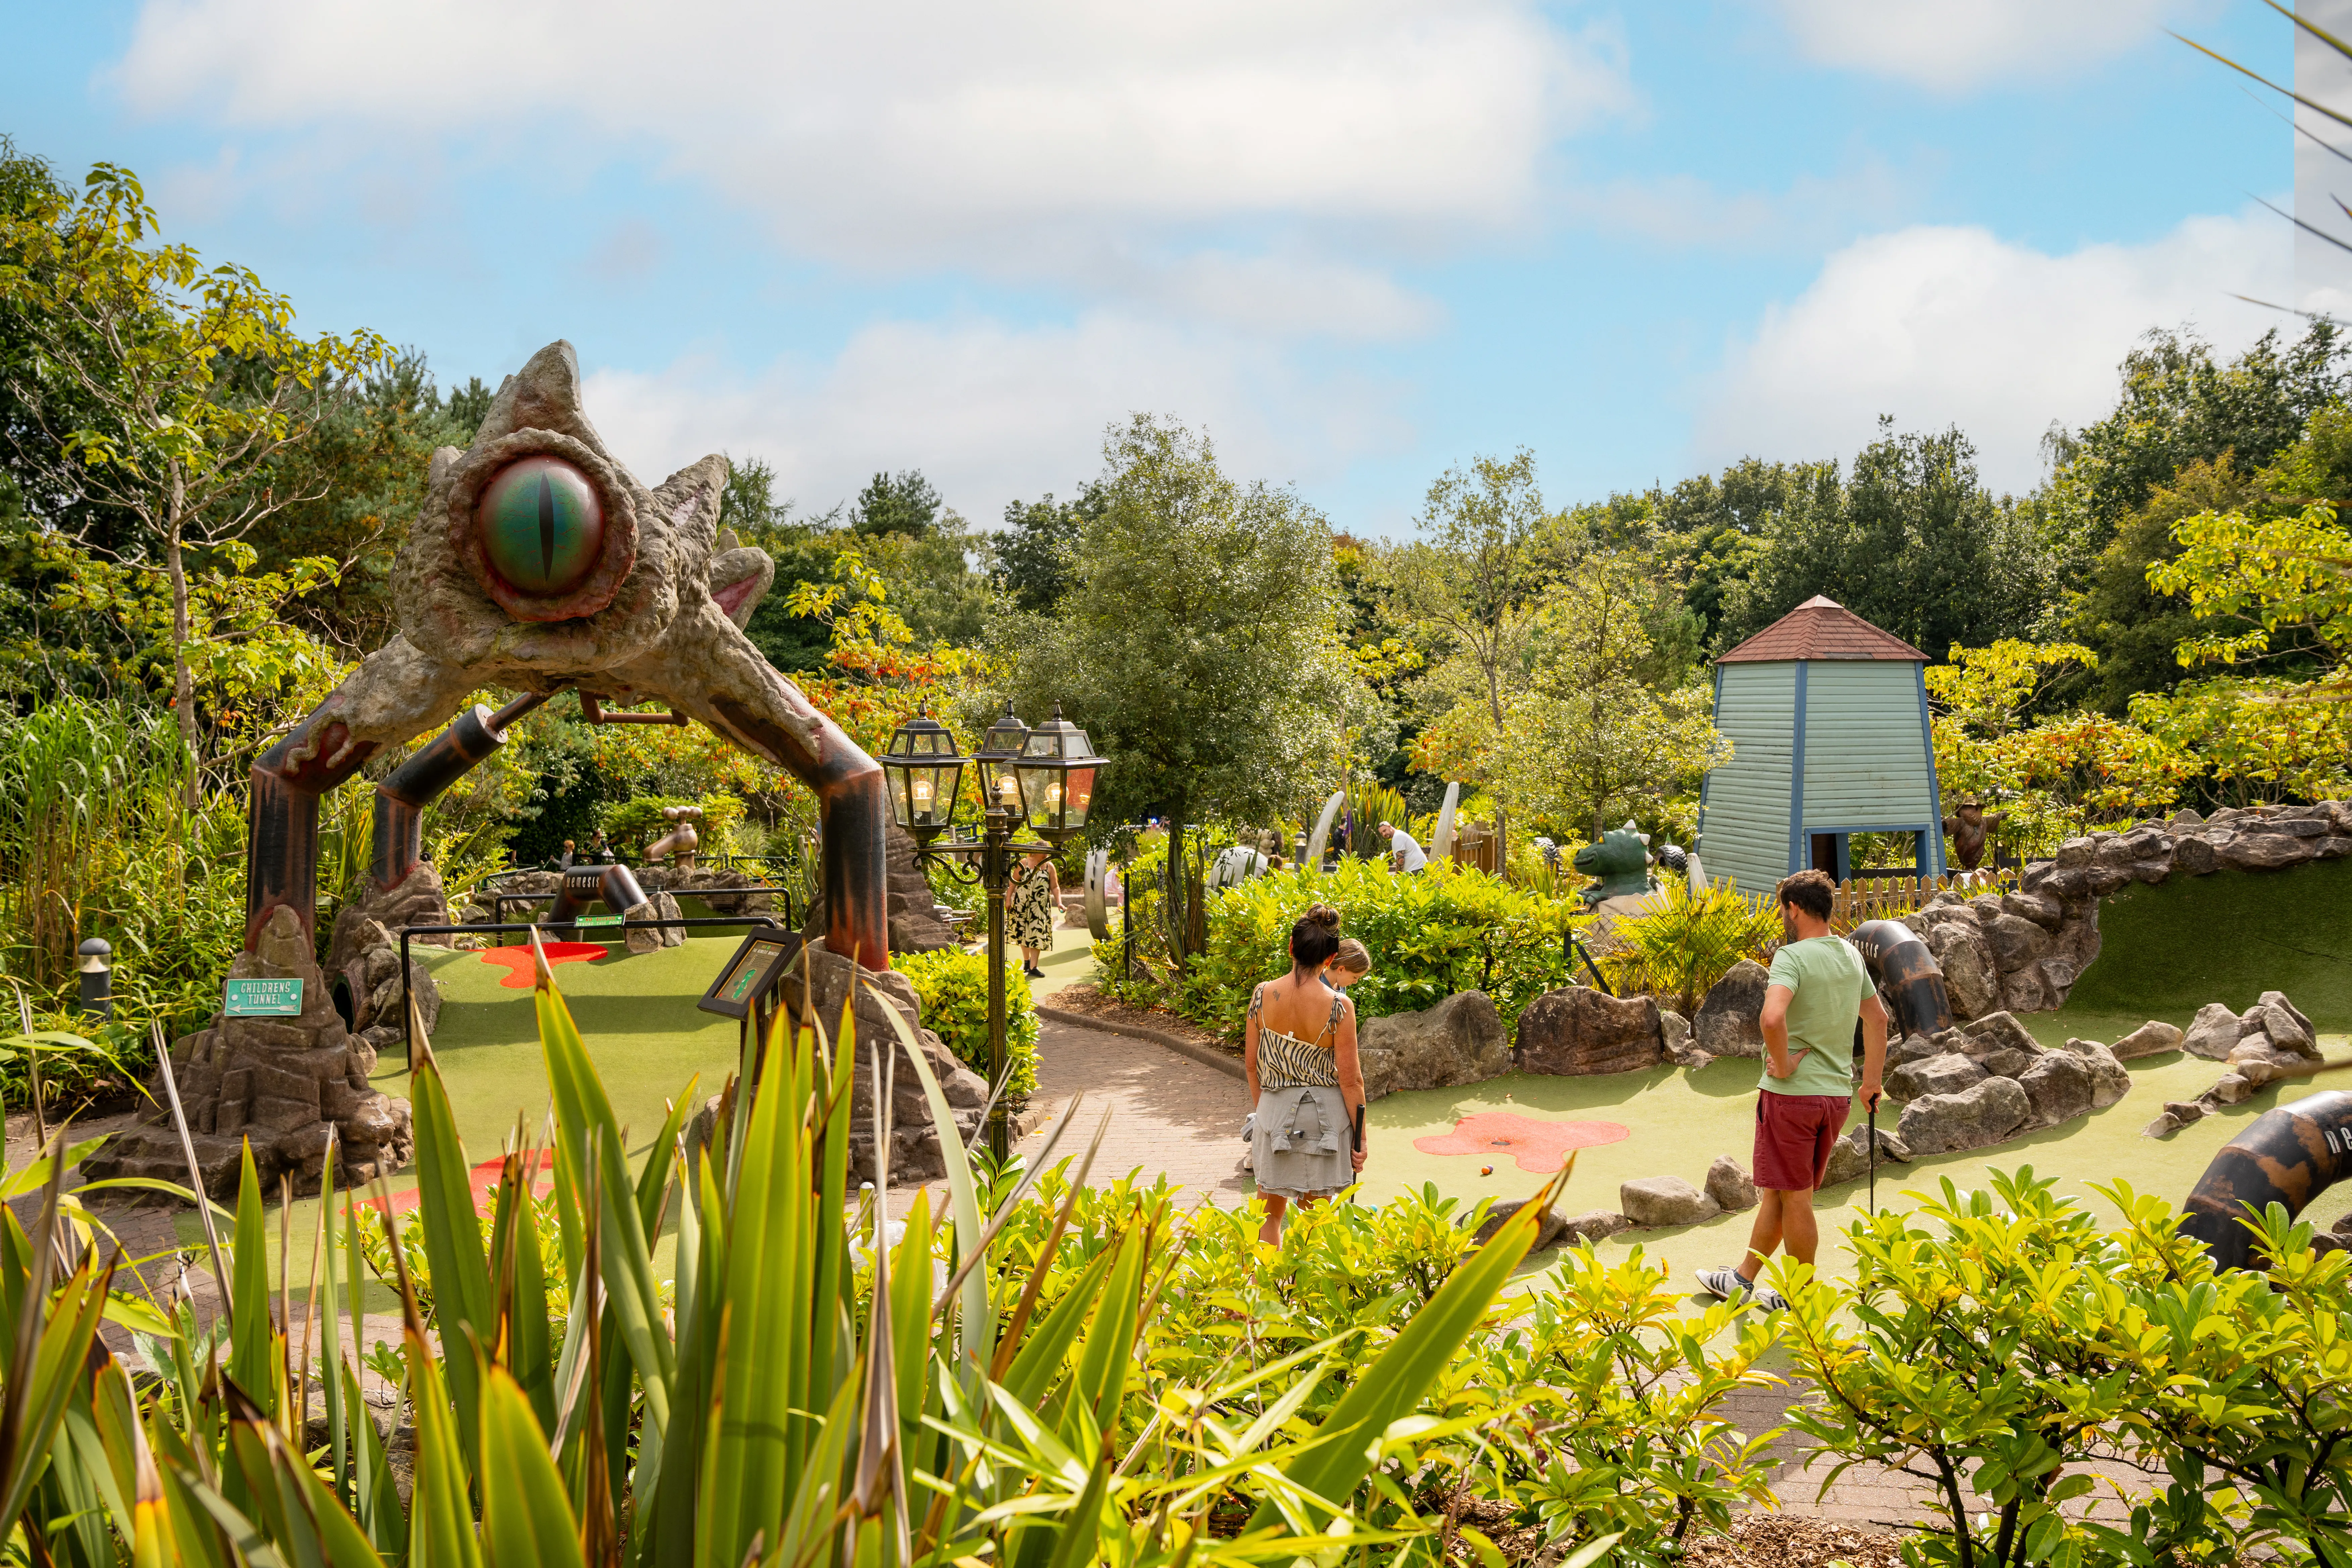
[
  {"x": 2180, "y": 406},
  {"x": 1035, "y": 553},
  {"x": 902, "y": 503},
  {"x": 190, "y": 378},
  {"x": 1909, "y": 540},
  {"x": 1200, "y": 645},
  {"x": 1474, "y": 574}
]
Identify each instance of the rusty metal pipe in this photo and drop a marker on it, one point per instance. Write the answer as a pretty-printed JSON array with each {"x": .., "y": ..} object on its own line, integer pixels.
[
  {"x": 1907, "y": 972},
  {"x": 402, "y": 797},
  {"x": 2289, "y": 1155},
  {"x": 583, "y": 885},
  {"x": 281, "y": 838}
]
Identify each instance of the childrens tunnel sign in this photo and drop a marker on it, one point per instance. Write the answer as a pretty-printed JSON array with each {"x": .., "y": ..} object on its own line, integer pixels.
[{"x": 262, "y": 998}]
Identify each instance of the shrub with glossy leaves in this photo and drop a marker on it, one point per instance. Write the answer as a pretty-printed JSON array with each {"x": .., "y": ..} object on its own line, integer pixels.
[
  {"x": 1430, "y": 934},
  {"x": 953, "y": 987}
]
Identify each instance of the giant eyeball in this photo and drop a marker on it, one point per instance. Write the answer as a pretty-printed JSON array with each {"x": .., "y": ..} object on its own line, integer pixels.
[{"x": 541, "y": 524}]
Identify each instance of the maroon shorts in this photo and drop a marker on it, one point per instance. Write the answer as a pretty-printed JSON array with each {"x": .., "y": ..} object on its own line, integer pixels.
[{"x": 1794, "y": 1134}]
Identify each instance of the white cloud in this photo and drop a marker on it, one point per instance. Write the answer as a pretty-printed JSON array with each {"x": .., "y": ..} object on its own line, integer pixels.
[
  {"x": 1006, "y": 137},
  {"x": 1953, "y": 47},
  {"x": 1939, "y": 326},
  {"x": 1000, "y": 413}
]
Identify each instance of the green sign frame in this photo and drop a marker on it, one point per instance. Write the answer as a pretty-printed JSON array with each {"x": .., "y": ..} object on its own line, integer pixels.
[{"x": 262, "y": 998}]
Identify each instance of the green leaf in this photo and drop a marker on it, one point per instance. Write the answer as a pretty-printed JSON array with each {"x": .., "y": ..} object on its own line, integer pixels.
[{"x": 526, "y": 1517}]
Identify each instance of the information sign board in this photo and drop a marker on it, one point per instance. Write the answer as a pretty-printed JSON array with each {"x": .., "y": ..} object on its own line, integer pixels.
[{"x": 262, "y": 998}]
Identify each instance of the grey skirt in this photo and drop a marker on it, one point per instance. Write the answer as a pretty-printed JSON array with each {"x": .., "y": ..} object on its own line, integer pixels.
[{"x": 1299, "y": 1145}]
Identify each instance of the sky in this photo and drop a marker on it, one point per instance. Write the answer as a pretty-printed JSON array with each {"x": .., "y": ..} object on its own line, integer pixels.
[{"x": 1356, "y": 241}]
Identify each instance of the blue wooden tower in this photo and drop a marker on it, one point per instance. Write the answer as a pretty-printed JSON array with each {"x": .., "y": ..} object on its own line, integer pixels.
[{"x": 1827, "y": 716}]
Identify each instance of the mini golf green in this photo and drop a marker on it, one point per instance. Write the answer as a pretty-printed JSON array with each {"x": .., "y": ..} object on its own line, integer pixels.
[
  {"x": 2168, "y": 950},
  {"x": 1679, "y": 1121}
]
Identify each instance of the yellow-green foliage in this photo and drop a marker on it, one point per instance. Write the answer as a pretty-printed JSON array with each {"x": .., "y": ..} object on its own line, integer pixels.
[
  {"x": 1430, "y": 934},
  {"x": 953, "y": 986}
]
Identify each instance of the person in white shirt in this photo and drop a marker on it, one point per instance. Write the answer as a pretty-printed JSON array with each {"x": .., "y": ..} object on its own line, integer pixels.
[{"x": 1405, "y": 853}]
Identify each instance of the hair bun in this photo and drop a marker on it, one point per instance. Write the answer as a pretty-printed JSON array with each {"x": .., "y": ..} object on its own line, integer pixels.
[{"x": 1322, "y": 915}]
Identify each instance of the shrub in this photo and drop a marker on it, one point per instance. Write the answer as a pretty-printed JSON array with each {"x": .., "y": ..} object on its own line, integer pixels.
[
  {"x": 1994, "y": 1350},
  {"x": 1599, "y": 1410},
  {"x": 1678, "y": 953},
  {"x": 1433, "y": 933},
  {"x": 953, "y": 986}
]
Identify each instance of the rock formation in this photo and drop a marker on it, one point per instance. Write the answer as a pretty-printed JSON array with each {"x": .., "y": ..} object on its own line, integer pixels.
[
  {"x": 2268, "y": 1041},
  {"x": 914, "y": 1152},
  {"x": 1459, "y": 1041},
  {"x": 1727, "y": 1025},
  {"x": 1577, "y": 1031},
  {"x": 2022, "y": 951},
  {"x": 1730, "y": 1185},
  {"x": 1665, "y": 1200},
  {"x": 285, "y": 1084}
]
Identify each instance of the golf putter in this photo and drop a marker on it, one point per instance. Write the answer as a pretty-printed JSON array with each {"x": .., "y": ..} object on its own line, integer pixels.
[{"x": 1873, "y": 1156}]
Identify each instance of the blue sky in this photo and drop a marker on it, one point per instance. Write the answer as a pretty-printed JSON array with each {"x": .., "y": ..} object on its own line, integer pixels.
[{"x": 1358, "y": 241}]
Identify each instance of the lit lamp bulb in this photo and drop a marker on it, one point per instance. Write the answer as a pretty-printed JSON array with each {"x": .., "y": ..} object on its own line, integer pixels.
[
  {"x": 922, "y": 794},
  {"x": 1052, "y": 798},
  {"x": 1008, "y": 792}
]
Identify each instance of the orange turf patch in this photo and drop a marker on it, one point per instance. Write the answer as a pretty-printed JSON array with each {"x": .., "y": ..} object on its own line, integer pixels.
[
  {"x": 516, "y": 960},
  {"x": 1539, "y": 1146},
  {"x": 483, "y": 1178}
]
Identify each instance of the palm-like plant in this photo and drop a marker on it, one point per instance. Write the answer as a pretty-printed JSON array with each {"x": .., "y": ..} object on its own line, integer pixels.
[{"x": 1678, "y": 952}]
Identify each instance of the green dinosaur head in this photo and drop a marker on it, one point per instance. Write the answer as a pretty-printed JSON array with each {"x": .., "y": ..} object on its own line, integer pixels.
[{"x": 1620, "y": 860}]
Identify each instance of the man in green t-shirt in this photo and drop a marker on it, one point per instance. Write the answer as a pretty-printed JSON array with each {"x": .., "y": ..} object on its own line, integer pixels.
[{"x": 1819, "y": 986}]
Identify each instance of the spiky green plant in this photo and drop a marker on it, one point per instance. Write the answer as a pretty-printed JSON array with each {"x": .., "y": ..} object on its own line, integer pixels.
[{"x": 803, "y": 1395}]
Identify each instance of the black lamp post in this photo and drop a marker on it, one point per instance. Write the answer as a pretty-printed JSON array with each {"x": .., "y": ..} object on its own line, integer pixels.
[{"x": 1042, "y": 778}]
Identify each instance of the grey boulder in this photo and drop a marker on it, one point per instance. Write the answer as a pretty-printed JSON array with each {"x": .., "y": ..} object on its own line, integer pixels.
[
  {"x": 1850, "y": 1155},
  {"x": 2152, "y": 1039},
  {"x": 1728, "y": 1022},
  {"x": 2213, "y": 1033},
  {"x": 1458, "y": 1041},
  {"x": 1665, "y": 1200},
  {"x": 1943, "y": 1073},
  {"x": 1577, "y": 1031},
  {"x": 1595, "y": 1224},
  {"x": 1972, "y": 1118},
  {"x": 2059, "y": 1088},
  {"x": 1730, "y": 1184},
  {"x": 1998, "y": 1031},
  {"x": 2110, "y": 1079},
  {"x": 1548, "y": 1228}
]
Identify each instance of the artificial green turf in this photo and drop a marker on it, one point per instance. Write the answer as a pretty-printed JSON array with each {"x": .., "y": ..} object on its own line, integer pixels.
[{"x": 2168, "y": 950}]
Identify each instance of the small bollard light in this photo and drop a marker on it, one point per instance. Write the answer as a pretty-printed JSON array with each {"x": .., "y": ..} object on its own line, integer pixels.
[{"x": 97, "y": 978}]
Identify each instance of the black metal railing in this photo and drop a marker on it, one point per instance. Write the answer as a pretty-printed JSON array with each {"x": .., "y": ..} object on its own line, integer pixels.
[{"x": 408, "y": 1013}]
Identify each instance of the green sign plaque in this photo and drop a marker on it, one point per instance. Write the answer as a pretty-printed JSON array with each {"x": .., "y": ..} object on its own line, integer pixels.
[{"x": 263, "y": 999}]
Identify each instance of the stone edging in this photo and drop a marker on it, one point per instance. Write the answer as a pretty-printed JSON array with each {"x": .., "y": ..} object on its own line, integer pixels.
[{"x": 1182, "y": 1048}]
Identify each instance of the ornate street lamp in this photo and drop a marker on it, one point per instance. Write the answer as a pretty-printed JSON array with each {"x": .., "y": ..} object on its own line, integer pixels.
[
  {"x": 1057, "y": 773},
  {"x": 925, "y": 770},
  {"x": 1043, "y": 778}
]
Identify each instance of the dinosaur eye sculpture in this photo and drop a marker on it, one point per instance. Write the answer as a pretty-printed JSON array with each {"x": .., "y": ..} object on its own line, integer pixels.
[{"x": 542, "y": 527}]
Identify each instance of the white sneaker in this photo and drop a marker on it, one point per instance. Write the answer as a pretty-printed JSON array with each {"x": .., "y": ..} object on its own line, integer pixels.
[{"x": 1728, "y": 1284}]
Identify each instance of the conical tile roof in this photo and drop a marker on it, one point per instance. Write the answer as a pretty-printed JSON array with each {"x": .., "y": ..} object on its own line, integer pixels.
[{"x": 1821, "y": 628}]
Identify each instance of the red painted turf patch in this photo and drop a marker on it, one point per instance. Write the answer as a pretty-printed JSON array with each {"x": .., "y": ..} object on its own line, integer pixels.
[
  {"x": 516, "y": 960},
  {"x": 1537, "y": 1146},
  {"x": 483, "y": 1178}
]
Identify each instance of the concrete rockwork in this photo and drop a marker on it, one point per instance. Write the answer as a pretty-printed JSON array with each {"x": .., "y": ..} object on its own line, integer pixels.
[
  {"x": 1459, "y": 1041},
  {"x": 2022, "y": 951},
  {"x": 289, "y": 1086}
]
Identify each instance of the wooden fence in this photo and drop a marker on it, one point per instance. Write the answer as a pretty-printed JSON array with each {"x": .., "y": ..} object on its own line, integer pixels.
[{"x": 1863, "y": 899}]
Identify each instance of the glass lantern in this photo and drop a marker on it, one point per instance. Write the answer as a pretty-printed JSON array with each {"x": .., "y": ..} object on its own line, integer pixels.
[
  {"x": 1056, "y": 770},
  {"x": 924, "y": 768},
  {"x": 1000, "y": 781}
]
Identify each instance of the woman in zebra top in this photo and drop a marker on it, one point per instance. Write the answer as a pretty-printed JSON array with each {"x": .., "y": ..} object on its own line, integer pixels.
[{"x": 1299, "y": 1054}]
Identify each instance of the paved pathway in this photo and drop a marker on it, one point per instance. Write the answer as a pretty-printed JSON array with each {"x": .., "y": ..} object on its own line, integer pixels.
[{"x": 1167, "y": 1113}]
